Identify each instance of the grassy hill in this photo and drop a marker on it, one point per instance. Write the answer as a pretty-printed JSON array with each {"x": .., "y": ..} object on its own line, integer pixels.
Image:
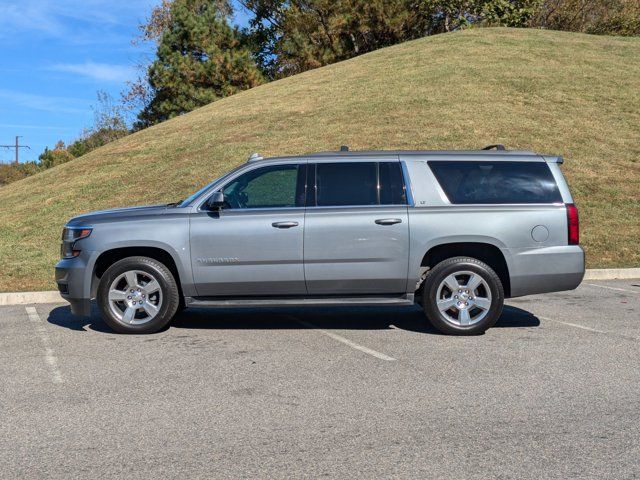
[{"x": 553, "y": 92}]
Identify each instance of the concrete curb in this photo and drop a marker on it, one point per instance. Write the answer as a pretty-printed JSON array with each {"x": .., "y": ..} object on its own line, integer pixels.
[
  {"x": 27, "y": 298},
  {"x": 612, "y": 273}
]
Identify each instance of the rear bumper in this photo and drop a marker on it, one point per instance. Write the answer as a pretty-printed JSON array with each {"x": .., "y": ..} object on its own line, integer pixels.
[
  {"x": 543, "y": 270},
  {"x": 73, "y": 279}
]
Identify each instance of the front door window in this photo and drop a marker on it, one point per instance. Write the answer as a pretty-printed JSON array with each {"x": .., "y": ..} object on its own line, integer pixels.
[{"x": 274, "y": 186}]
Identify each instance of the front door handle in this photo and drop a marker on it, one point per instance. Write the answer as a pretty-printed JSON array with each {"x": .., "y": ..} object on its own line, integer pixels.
[
  {"x": 284, "y": 224},
  {"x": 388, "y": 221}
]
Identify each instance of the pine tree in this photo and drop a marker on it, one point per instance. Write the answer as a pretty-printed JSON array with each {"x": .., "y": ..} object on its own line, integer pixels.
[{"x": 200, "y": 59}]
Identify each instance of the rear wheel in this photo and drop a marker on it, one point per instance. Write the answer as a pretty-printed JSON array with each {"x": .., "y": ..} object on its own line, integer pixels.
[
  {"x": 138, "y": 295},
  {"x": 463, "y": 296}
]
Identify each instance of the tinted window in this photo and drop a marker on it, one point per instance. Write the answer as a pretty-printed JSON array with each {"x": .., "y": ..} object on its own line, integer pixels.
[
  {"x": 340, "y": 184},
  {"x": 496, "y": 182},
  {"x": 392, "y": 191},
  {"x": 269, "y": 187}
]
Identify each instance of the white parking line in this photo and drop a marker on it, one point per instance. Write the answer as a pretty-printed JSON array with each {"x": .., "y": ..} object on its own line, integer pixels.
[
  {"x": 594, "y": 330},
  {"x": 49, "y": 355},
  {"x": 572, "y": 324},
  {"x": 613, "y": 288},
  {"x": 348, "y": 342}
]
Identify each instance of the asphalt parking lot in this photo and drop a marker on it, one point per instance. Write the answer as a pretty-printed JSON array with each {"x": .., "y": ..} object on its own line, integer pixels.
[{"x": 553, "y": 391}]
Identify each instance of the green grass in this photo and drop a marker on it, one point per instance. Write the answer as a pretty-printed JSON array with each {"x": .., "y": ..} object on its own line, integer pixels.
[{"x": 552, "y": 92}]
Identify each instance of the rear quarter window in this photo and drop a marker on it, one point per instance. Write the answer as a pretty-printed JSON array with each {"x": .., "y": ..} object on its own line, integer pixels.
[{"x": 496, "y": 182}]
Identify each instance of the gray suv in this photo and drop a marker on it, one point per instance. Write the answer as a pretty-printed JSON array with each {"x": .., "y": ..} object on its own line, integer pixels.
[{"x": 456, "y": 231}]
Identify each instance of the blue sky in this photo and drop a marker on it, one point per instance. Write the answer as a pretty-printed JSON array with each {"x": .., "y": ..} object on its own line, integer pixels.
[{"x": 55, "y": 55}]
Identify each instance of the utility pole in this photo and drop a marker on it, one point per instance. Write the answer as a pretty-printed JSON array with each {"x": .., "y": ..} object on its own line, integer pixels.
[{"x": 17, "y": 148}]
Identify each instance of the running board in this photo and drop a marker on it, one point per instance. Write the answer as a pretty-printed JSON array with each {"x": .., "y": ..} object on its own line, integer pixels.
[{"x": 299, "y": 302}]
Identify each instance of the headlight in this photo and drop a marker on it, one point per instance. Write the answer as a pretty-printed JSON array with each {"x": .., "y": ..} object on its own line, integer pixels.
[{"x": 70, "y": 235}]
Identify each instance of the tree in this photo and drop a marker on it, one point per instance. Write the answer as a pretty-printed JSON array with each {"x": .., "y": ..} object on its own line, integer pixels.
[
  {"x": 13, "y": 172},
  {"x": 291, "y": 36},
  {"x": 109, "y": 124},
  {"x": 57, "y": 156},
  {"x": 606, "y": 17},
  {"x": 510, "y": 13},
  {"x": 200, "y": 59}
]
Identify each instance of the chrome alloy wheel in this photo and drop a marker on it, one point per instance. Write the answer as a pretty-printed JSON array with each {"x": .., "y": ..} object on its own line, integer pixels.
[
  {"x": 135, "y": 297},
  {"x": 463, "y": 298}
]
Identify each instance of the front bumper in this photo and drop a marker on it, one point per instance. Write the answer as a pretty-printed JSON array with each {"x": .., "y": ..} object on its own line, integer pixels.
[{"x": 73, "y": 278}]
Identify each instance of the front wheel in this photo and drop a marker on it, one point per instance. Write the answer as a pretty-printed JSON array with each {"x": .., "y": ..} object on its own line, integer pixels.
[
  {"x": 463, "y": 296},
  {"x": 138, "y": 295}
]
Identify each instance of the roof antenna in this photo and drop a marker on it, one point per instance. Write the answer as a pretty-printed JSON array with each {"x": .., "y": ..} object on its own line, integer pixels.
[{"x": 344, "y": 148}]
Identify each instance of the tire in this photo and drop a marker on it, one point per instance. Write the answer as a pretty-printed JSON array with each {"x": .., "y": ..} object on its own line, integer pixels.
[
  {"x": 142, "y": 281},
  {"x": 445, "y": 286}
]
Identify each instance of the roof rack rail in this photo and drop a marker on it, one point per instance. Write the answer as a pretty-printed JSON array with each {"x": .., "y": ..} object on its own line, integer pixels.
[{"x": 497, "y": 146}]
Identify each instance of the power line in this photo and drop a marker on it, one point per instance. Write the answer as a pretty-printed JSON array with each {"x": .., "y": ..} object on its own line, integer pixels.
[{"x": 16, "y": 147}]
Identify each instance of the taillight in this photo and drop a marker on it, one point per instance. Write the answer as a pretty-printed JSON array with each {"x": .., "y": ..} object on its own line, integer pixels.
[{"x": 573, "y": 224}]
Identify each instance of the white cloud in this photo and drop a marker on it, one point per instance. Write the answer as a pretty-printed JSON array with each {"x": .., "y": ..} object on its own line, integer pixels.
[
  {"x": 44, "y": 102},
  {"x": 102, "y": 72},
  {"x": 75, "y": 21},
  {"x": 27, "y": 16},
  {"x": 32, "y": 127}
]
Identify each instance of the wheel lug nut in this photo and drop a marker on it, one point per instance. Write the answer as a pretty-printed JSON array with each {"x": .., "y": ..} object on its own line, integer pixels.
[
  {"x": 131, "y": 290},
  {"x": 456, "y": 296}
]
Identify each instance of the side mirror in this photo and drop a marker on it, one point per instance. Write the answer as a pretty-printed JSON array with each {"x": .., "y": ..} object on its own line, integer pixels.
[{"x": 216, "y": 201}]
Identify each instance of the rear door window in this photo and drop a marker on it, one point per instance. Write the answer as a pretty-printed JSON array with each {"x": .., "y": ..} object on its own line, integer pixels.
[
  {"x": 392, "y": 190},
  {"x": 346, "y": 184},
  {"x": 496, "y": 182},
  {"x": 356, "y": 184}
]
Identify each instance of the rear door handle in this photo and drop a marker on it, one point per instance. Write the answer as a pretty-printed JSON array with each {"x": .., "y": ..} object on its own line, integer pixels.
[
  {"x": 388, "y": 221},
  {"x": 284, "y": 224}
]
